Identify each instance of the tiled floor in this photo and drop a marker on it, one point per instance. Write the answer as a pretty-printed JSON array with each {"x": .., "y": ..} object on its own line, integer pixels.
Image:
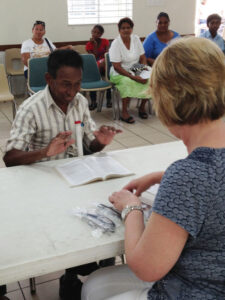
[{"x": 143, "y": 132}]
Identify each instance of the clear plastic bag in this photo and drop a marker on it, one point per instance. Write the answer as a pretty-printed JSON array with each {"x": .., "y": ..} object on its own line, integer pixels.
[{"x": 99, "y": 222}]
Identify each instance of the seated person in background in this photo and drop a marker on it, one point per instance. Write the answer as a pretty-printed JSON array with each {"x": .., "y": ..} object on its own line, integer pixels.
[
  {"x": 38, "y": 134},
  {"x": 182, "y": 247},
  {"x": 37, "y": 46},
  {"x": 125, "y": 51},
  {"x": 213, "y": 23},
  {"x": 98, "y": 46},
  {"x": 159, "y": 39}
]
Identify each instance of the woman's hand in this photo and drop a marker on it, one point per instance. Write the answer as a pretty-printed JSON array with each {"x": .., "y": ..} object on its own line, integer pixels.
[
  {"x": 92, "y": 40},
  {"x": 123, "y": 198},
  {"x": 139, "y": 79},
  {"x": 143, "y": 183}
]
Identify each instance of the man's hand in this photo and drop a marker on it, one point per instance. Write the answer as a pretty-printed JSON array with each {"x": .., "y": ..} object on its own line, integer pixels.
[
  {"x": 59, "y": 144},
  {"x": 105, "y": 134}
]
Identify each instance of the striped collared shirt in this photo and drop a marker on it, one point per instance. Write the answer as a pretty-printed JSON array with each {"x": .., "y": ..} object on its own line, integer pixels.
[{"x": 39, "y": 120}]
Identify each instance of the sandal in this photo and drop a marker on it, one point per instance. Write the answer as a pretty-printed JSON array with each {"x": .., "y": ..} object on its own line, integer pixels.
[
  {"x": 143, "y": 114},
  {"x": 129, "y": 120}
]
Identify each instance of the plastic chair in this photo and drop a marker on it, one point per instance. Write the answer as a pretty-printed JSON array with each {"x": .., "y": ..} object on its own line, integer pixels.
[
  {"x": 13, "y": 63},
  {"x": 115, "y": 93},
  {"x": 91, "y": 79},
  {"x": 37, "y": 67},
  {"x": 5, "y": 94}
]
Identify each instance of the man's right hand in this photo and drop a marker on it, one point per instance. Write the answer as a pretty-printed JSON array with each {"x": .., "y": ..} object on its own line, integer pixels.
[{"x": 59, "y": 144}]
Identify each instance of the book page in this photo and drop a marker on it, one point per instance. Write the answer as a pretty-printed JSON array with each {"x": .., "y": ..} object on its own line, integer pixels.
[
  {"x": 148, "y": 196},
  {"x": 92, "y": 168},
  {"x": 77, "y": 172},
  {"x": 108, "y": 167}
]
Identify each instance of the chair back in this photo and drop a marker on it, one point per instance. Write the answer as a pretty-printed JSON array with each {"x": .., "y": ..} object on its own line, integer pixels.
[
  {"x": 108, "y": 65},
  {"x": 90, "y": 68},
  {"x": 5, "y": 94},
  {"x": 80, "y": 49},
  {"x": 37, "y": 67},
  {"x": 13, "y": 62}
]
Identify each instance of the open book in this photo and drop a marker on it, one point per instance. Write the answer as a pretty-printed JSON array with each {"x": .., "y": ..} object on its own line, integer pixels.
[{"x": 93, "y": 168}]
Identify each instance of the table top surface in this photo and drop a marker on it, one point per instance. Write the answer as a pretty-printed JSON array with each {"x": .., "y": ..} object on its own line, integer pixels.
[{"x": 39, "y": 234}]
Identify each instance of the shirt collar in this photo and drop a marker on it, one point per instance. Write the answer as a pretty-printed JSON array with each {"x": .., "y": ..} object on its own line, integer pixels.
[{"x": 208, "y": 35}]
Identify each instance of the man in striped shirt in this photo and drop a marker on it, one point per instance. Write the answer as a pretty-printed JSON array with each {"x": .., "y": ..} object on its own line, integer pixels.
[{"x": 55, "y": 123}]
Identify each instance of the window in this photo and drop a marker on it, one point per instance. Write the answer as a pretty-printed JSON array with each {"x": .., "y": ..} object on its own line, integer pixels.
[{"x": 98, "y": 11}]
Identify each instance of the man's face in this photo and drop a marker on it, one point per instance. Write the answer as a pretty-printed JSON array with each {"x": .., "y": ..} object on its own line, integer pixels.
[
  {"x": 66, "y": 84},
  {"x": 214, "y": 25}
]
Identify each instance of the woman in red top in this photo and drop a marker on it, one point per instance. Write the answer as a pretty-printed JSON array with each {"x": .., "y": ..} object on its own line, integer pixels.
[{"x": 98, "y": 47}]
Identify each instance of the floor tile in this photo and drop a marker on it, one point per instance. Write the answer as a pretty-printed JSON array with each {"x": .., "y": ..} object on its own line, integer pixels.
[
  {"x": 133, "y": 142},
  {"x": 11, "y": 287},
  {"x": 16, "y": 295},
  {"x": 45, "y": 291},
  {"x": 2, "y": 164},
  {"x": 114, "y": 146},
  {"x": 42, "y": 279}
]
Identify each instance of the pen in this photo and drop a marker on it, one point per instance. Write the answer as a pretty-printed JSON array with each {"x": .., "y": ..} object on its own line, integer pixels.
[{"x": 79, "y": 122}]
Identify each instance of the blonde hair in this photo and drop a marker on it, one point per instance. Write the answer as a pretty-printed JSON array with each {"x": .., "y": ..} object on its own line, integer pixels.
[{"x": 188, "y": 82}]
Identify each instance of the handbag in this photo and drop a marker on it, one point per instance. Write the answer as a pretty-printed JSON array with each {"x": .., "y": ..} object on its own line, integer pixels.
[{"x": 49, "y": 45}]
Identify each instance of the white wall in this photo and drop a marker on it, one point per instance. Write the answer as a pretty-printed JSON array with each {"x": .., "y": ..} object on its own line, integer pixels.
[{"x": 18, "y": 16}]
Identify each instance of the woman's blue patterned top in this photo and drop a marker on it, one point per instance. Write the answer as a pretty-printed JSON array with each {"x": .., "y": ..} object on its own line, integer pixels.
[{"x": 192, "y": 194}]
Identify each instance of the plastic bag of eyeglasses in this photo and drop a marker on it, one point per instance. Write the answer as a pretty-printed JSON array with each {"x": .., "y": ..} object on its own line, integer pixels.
[
  {"x": 98, "y": 222},
  {"x": 109, "y": 212},
  {"x": 137, "y": 68},
  {"x": 114, "y": 215}
]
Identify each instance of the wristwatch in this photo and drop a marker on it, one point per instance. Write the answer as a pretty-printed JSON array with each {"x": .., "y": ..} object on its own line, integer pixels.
[{"x": 128, "y": 209}]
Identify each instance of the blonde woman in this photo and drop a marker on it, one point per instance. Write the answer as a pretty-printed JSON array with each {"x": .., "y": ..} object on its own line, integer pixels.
[{"x": 180, "y": 253}]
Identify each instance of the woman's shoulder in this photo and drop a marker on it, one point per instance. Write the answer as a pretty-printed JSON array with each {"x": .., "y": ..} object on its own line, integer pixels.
[
  {"x": 175, "y": 34},
  {"x": 152, "y": 35},
  {"x": 105, "y": 42},
  {"x": 29, "y": 41},
  {"x": 151, "y": 38},
  {"x": 116, "y": 41}
]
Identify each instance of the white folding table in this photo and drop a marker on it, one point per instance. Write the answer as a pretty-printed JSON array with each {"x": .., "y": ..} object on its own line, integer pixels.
[{"x": 39, "y": 235}]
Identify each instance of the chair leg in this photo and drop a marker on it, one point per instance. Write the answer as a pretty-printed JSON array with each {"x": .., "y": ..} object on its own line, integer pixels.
[
  {"x": 14, "y": 108},
  {"x": 118, "y": 99},
  {"x": 138, "y": 103},
  {"x": 123, "y": 259},
  {"x": 100, "y": 102},
  {"x": 114, "y": 105},
  {"x": 32, "y": 286}
]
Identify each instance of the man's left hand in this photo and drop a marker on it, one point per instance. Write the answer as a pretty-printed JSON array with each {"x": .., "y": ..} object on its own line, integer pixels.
[{"x": 105, "y": 134}]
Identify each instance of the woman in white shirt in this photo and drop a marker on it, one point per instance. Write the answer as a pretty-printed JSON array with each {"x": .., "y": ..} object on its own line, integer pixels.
[
  {"x": 125, "y": 51},
  {"x": 37, "y": 46}
]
